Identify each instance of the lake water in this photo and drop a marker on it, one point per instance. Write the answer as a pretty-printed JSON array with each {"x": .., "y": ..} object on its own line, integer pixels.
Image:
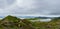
[{"x": 42, "y": 20}]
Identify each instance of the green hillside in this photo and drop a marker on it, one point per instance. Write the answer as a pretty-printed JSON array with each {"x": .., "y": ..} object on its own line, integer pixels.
[{"x": 12, "y": 22}]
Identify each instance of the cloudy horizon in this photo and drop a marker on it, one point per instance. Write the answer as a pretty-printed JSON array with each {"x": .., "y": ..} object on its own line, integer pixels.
[{"x": 30, "y": 7}]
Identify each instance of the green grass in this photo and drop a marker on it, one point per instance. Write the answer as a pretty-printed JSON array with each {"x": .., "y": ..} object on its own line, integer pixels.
[{"x": 12, "y": 22}]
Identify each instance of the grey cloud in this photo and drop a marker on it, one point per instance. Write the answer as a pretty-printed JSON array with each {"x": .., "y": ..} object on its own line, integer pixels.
[
  {"x": 40, "y": 7},
  {"x": 48, "y": 7},
  {"x": 10, "y": 2}
]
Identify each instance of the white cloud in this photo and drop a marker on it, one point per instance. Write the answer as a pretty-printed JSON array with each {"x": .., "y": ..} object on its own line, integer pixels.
[{"x": 32, "y": 7}]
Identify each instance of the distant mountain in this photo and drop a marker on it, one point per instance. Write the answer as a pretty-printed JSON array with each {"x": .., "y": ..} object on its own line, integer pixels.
[
  {"x": 38, "y": 17},
  {"x": 44, "y": 17},
  {"x": 1, "y": 16},
  {"x": 25, "y": 16},
  {"x": 35, "y": 17},
  {"x": 31, "y": 17}
]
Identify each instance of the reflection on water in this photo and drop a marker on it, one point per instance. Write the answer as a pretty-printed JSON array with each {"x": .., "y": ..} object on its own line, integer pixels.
[
  {"x": 42, "y": 20},
  {"x": 45, "y": 20}
]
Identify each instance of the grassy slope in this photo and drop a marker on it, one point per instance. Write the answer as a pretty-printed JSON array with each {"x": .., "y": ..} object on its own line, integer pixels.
[{"x": 11, "y": 22}]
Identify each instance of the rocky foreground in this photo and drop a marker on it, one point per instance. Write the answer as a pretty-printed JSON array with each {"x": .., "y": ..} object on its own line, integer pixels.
[{"x": 12, "y": 22}]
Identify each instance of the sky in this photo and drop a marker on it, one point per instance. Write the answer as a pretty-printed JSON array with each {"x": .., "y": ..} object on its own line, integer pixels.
[{"x": 30, "y": 7}]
